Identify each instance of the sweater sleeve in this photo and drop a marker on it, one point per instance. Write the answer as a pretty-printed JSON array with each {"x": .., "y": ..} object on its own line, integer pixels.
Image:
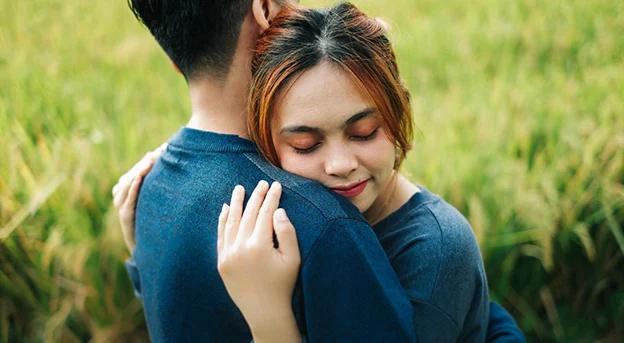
[
  {"x": 133, "y": 272},
  {"x": 502, "y": 328},
  {"x": 440, "y": 267},
  {"x": 350, "y": 291},
  {"x": 434, "y": 325}
]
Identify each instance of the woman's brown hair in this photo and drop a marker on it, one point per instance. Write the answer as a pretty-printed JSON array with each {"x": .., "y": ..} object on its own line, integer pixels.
[{"x": 300, "y": 39}]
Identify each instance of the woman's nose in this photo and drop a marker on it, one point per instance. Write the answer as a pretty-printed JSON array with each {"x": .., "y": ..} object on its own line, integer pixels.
[{"x": 340, "y": 162}]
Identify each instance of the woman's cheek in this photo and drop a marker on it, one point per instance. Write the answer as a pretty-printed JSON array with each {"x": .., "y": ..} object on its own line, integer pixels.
[
  {"x": 302, "y": 165},
  {"x": 380, "y": 155}
]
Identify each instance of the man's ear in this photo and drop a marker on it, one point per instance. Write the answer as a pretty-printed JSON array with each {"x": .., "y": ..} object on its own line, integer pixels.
[
  {"x": 264, "y": 11},
  {"x": 175, "y": 67}
]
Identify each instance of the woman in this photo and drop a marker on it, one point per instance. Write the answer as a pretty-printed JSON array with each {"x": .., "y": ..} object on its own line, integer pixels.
[{"x": 327, "y": 103}]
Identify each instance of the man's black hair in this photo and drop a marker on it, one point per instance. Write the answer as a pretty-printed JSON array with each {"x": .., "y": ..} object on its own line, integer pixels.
[{"x": 199, "y": 36}]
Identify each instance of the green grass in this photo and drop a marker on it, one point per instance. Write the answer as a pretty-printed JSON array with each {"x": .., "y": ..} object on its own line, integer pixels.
[{"x": 520, "y": 110}]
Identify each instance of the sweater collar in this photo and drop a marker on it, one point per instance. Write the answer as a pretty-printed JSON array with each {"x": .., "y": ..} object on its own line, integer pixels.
[{"x": 192, "y": 139}]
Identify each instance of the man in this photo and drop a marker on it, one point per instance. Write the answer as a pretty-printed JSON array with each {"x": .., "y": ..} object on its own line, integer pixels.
[{"x": 175, "y": 273}]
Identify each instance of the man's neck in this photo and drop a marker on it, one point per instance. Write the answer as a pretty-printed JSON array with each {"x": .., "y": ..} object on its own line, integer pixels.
[
  {"x": 218, "y": 109},
  {"x": 221, "y": 106}
]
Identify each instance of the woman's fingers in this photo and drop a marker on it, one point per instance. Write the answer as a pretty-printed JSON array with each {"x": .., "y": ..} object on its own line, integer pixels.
[
  {"x": 145, "y": 165},
  {"x": 221, "y": 229},
  {"x": 115, "y": 189},
  {"x": 127, "y": 213},
  {"x": 286, "y": 235},
  {"x": 131, "y": 198},
  {"x": 234, "y": 216},
  {"x": 124, "y": 181},
  {"x": 128, "y": 207},
  {"x": 148, "y": 160},
  {"x": 122, "y": 193},
  {"x": 264, "y": 225},
  {"x": 251, "y": 211},
  {"x": 160, "y": 150},
  {"x": 122, "y": 184}
]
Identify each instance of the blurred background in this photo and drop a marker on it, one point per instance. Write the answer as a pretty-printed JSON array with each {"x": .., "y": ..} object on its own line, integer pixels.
[{"x": 520, "y": 114}]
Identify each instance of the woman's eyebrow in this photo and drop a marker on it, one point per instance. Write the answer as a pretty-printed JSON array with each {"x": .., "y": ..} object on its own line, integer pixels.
[
  {"x": 315, "y": 130},
  {"x": 299, "y": 129},
  {"x": 360, "y": 115}
]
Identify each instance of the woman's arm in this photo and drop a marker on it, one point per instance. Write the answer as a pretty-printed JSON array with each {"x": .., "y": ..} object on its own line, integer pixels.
[
  {"x": 259, "y": 277},
  {"x": 126, "y": 191}
]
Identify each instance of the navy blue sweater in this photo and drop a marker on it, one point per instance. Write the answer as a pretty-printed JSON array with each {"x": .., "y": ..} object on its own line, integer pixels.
[
  {"x": 436, "y": 256},
  {"x": 502, "y": 328},
  {"x": 433, "y": 251},
  {"x": 347, "y": 290}
]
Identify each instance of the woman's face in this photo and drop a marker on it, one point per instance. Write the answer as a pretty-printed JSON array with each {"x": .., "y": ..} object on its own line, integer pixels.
[{"x": 324, "y": 129}]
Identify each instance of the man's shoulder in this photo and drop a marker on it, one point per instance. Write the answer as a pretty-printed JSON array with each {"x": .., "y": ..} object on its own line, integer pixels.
[
  {"x": 192, "y": 173},
  {"x": 313, "y": 209},
  {"x": 299, "y": 191},
  {"x": 191, "y": 187}
]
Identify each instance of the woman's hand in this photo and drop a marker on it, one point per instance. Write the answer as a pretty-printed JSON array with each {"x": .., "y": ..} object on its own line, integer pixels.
[
  {"x": 260, "y": 278},
  {"x": 126, "y": 190}
]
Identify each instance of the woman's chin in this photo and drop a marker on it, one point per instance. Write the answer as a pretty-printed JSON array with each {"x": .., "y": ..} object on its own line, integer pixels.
[{"x": 360, "y": 206}]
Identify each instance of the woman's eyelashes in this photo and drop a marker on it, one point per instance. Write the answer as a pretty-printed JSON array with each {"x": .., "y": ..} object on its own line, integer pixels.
[
  {"x": 304, "y": 143},
  {"x": 366, "y": 137},
  {"x": 299, "y": 149},
  {"x": 304, "y": 151}
]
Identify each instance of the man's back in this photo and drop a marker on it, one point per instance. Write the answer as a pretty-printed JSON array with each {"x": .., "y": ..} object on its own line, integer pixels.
[{"x": 347, "y": 290}]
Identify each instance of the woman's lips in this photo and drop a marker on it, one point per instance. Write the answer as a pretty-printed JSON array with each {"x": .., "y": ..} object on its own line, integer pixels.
[{"x": 351, "y": 190}]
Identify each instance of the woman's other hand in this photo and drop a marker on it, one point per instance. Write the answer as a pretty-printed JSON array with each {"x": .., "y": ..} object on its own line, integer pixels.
[
  {"x": 126, "y": 190},
  {"x": 259, "y": 277}
]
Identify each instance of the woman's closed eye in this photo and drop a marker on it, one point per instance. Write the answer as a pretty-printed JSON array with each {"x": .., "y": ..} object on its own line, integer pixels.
[
  {"x": 309, "y": 147},
  {"x": 305, "y": 149},
  {"x": 366, "y": 137}
]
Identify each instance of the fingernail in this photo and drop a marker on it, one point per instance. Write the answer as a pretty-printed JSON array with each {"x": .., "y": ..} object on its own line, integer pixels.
[
  {"x": 238, "y": 189},
  {"x": 225, "y": 206},
  {"x": 275, "y": 185},
  {"x": 280, "y": 215},
  {"x": 262, "y": 184}
]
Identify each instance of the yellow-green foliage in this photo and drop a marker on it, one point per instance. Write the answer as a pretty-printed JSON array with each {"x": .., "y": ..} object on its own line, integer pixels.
[{"x": 520, "y": 109}]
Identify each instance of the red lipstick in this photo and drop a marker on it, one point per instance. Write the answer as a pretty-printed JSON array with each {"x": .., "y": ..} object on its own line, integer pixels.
[{"x": 350, "y": 190}]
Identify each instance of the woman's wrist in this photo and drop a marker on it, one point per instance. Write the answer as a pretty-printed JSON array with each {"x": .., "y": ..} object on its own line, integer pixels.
[{"x": 277, "y": 326}]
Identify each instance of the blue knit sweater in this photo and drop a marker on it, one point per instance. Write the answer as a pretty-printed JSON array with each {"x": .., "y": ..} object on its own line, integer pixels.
[
  {"x": 435, "y": 254},
  {"x": 347, "y": 290}
]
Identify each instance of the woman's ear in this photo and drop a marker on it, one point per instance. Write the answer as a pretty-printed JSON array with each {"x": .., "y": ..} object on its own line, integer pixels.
[{"x": 265, "y": 10}]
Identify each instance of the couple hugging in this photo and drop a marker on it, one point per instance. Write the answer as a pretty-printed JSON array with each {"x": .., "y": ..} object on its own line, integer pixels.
[{"x": 277, "y": 214}]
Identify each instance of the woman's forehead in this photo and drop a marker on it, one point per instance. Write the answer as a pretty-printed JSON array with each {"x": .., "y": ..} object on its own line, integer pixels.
[{"x": 322, "y": 96}]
